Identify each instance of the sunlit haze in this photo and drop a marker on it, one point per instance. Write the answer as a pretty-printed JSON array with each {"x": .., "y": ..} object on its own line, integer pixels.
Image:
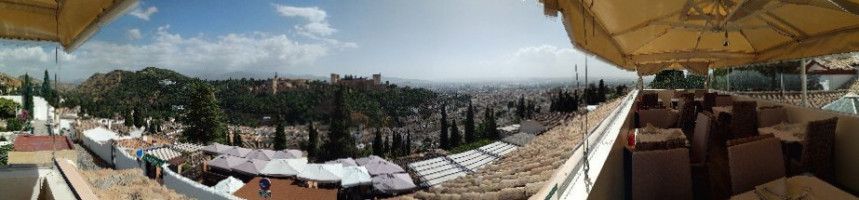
[{"x": 427, "y": 40}]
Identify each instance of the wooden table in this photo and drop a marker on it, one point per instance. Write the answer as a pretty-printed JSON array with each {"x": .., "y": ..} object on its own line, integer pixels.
[{"x": 795, "y": 188}]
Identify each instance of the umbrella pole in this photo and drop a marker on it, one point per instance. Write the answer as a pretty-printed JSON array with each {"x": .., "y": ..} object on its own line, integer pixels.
[{"x": 803, "y": 79}]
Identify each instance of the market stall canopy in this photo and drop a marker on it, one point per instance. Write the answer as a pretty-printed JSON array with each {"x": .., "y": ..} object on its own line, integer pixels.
[
  {"x": 216, "y": 148},
  {"x": 372, "y": 158},
  {"x": 261, "y": 154},
  {"x": 393, "y": 183},
  {"x": 346, "y": 162},
  {"x": 325, "y": 173},
  {"x": 68, "y": 22},
  {"x": 383, "y": 167},
  {"x": 354, "y": 176},
  {"x": 225, "y": 162},
  {"x": 287, "y": 154},
  {"x": 284, "y": 167},
  {"x": 251, "y": 166},
  {"x": 229, "y": 185},
  {"x": 699, "y": 34}
]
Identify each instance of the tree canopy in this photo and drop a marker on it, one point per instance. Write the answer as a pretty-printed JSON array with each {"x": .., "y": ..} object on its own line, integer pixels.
[{"x": 203, "y": 118}]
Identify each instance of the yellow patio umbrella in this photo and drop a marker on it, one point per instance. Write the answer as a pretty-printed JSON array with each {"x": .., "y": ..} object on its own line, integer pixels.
[
  {"x": 648, "y": 36},
  {"x": 68, "y": 22}
]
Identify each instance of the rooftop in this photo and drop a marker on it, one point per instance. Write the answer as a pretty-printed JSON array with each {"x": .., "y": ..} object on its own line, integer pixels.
[{"x": 42, "y": 143}]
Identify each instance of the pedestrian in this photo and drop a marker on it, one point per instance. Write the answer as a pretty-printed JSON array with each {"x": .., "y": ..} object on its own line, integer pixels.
[{"x": 265, "y": 188}]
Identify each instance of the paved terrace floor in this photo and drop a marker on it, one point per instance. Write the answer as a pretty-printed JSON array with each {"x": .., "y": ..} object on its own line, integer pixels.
[{"x": 285, "y": 189}]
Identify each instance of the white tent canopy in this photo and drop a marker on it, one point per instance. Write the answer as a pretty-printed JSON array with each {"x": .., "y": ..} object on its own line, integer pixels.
[
  {"x": 69, "y": 23},
  {"x": 284, "y": 167},
  {"x": 354, "y": 176},
  {"x": 229, "y": 185},
  {"x": 325, "y": 173}
]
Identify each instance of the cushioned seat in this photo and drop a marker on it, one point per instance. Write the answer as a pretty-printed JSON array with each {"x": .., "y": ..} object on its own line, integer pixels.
[
  {"x": 754, "y": 163},
  {"x": 661, "y": 174},
  {"x": 662, "y": 118},
  {"x": 771, "y": 116}
]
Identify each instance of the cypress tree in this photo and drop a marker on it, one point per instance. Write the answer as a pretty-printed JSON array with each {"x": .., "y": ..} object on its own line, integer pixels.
[
  {"x": 340, "y": 142},
  {"x": 601, "y": 91},
  {"x": 27, "y": 95},
  {"x": 490, "y": 129},
  {"x": 444, "y": 143},
  {"x": 469, "y": 124},
  {"x": 395, "y": 146},
  {"x": 312, "y": 141},
  {"x": 279, "y": 134},
  {"x": 387, "y": 146},
  {"x": 520, "y": 108},
  {"x": 46, "y": 88},
  {"x": 409, "y": 143},
  {"x": 203, "y": 117},
  {"x": 138, "y": 117},
  {"x": 237, "y": 139},
  {"x": 455, "y": 138},
  {"x": 377, "y": 144}
]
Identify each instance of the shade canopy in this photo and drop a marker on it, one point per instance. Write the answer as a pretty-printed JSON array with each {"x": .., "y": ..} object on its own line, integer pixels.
[
  {"x": 383, "y": 167},
  {"x": 69, "y": 23},
  {"x": 287, "y": 154},
  {"x": 355, "y": 176},
  {"x": 325, "y": 173},
  {"x": 261, "y": 154},
  {"x": 284, "y": 167},
  {"x": 653, "y": 35},
  {"x": 372, "y": 158},
  {"x": 215, "y": 148},
  {"x": 393, "y": 183},
  {"x": 346, "y": 162},
  {"x": 237, "y": 151},
  {"x": 225, "y": 162},
  {"x": 251, "y": 167},
  {"x": 229, "y": 185}
]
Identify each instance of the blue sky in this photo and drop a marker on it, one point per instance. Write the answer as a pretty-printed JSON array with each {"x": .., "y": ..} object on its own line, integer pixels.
[{"x": 429, "y": 39}]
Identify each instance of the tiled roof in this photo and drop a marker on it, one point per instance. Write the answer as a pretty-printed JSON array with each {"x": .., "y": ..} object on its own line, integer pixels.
[
  {"x": 42, "y": 143},
  {"x": 164, "y": 154},
  {"x": 816, "y": 99}
]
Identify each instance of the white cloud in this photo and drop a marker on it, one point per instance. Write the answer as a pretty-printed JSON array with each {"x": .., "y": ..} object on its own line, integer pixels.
[
  {"x": 194, "y": 56},
  {"x": 317, "y": 24},
  {"x": 134, "y": 34},
  {"x": 144, "y": 14}
]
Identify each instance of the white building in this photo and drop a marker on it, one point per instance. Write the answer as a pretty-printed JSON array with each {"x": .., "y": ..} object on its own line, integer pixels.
[{"x": 41, "y": 109}]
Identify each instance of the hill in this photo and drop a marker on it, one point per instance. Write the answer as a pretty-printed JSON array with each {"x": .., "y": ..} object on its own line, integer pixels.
[{"x": 152, "y": 90}]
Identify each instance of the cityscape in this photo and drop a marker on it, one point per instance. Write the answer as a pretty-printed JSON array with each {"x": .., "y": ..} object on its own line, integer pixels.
[{"x": 496, "y": 100}]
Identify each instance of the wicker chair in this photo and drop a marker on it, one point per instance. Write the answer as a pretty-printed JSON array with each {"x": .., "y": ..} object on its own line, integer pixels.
[
  {"x": 817, "y": 150},
  {"x": 649, "y": 100},
  {"x": 687, "y": 113},
  {"x": 754, "y": 162},
  {"x": 709, "y": 101},
  {"x": 744, "y": 119},
  {"x": 723, "y": 100},
  {"x": 700, "y": 139},
  {"x": 661, "y": 174},
  {"x": 662, "y": 118},
  {"x": 771, "y": 116}
]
